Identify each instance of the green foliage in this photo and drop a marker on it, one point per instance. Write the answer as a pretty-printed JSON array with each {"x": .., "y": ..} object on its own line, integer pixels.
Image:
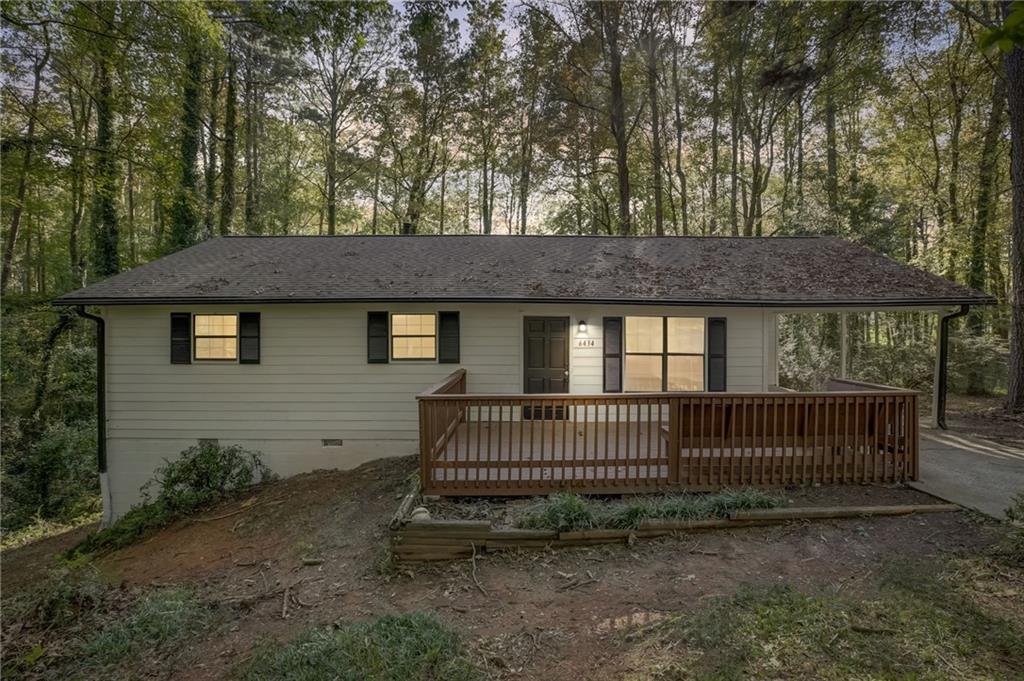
[
  {"x": 202, "y": 475},
  {"x": 48, "y": 416},
  {"x": 1010, "y": 548},
  {"x": 1009, "y": 34},
  {"x": 158, "y": 622},
  {"x": 409, "y": 647},
  {"x": 567, "y": 511},
  {"x": 564, "y": 512}
]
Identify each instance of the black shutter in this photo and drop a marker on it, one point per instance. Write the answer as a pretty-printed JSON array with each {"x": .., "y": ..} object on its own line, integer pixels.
[
  {"x": 448, "y": 337},
  {"x": 377, "y": 337},
  {"x": 248, "y": 337},
  {"x": 716, "y": 354},
  {"x": 181, "y": 338},
  {"x": 613, "y": 354}
]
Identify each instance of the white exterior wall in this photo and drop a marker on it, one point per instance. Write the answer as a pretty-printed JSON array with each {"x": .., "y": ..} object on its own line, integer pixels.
[{"x": 313, "y": 381}]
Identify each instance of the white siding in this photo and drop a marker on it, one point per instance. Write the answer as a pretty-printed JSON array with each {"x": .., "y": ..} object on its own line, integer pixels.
[{"x": 314, "y": 383}]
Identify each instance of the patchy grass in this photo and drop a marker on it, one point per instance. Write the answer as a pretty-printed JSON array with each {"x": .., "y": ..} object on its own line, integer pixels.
[
  {"x": 406, "y": 647},
  {"x": 919, "y": 626},
  {"x": 74, "y": 622},
  {"x": 567, "y": 511},
  {"x": 41, "y": 528},
  {"x": 157, "y": 623},
  {"x": 58, "y": 600}
]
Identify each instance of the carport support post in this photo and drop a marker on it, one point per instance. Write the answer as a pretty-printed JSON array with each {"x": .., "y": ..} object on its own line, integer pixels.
[
  {"x": 844, "y": 347},
  {"x": 941, "y": 379}
]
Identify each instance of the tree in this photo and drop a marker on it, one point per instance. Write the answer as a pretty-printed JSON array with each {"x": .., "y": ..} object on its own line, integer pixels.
[
  {"x": 185, "y": 214},
  {"x": 489, "y": 97},
  {"x": 1014, "y": 64},
  {"x": 610, "y": 17},
  {"x": 350, "y": 42}
]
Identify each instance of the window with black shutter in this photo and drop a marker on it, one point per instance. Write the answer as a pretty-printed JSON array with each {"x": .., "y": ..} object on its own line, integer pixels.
[
  {"x": 249, "y": 338},
  {"x": 377, "y": 337},
  {"x": 181, "y": 338},
  {"x": 448, "y": 337},
  {"x": 716, "y": 354},
  {"x": 613, "y": 354}
]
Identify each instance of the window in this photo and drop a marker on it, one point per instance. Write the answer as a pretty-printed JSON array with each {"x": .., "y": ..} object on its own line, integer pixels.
[
  {"x": 413, "y": 336},
  {"x": 216, "y": 336},
  {"x": 664, "y": 353}
]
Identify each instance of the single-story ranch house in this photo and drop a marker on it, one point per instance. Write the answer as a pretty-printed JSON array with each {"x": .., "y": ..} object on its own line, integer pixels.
[{"x": 513, "y": 364}]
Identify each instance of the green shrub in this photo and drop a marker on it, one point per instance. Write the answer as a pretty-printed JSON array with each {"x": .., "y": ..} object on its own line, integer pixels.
[
  {"x": 564, "y": 512},
  {"x": 409, "y": 647},
  {"x": 154, "y": 624},
  {"x": 201, "y": 476},
  {"x": 1010, "y": 549}
]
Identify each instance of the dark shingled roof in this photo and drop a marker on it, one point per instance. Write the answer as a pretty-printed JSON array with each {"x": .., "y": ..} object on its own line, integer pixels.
[{"x": 794, "y": 271}]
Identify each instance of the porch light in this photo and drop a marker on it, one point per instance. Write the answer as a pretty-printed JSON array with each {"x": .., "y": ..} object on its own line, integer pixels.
[{"x": 582, "y": 328}]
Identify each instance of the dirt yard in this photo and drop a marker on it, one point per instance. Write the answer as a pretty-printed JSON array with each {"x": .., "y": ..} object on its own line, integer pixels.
[{"x": 312, "y": 550}]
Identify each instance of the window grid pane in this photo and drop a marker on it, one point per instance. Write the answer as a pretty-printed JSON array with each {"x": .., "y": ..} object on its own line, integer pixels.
[
  {"x": 216, "y": 325},
  {"x": 216, "y": 348},
  {"x": 685, "y": 373},
  {"x": 413, "y": 336},
  {"x": 643, "y": 373},
  {"x": 652, "y": 365},
  {"x": 686, "y": 335},
  {"x": 216, "y": 336},
  {"x": 644, "y": 334}
]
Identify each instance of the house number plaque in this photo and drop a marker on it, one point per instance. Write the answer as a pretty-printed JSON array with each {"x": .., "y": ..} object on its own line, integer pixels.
[{"x": 586, "y": 343}]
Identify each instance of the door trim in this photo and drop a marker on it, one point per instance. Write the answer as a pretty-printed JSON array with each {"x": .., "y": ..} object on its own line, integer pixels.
[
  {"x": 568, "y": 349},
  {"x": 547, "y": 413}
]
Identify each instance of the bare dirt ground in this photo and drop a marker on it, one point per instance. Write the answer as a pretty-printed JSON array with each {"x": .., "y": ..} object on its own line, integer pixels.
[{"x": 312, "y": 550}]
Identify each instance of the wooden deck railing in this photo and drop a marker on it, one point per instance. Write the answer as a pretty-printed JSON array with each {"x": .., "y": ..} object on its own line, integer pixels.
[{"x": 613, "y": 443}]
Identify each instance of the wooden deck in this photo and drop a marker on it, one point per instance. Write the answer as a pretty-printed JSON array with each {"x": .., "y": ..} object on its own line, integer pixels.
[{"x": 483, "y": 445}]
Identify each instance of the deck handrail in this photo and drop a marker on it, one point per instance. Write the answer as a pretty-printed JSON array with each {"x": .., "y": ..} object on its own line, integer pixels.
[
  {"x": 447, "y": 385},
  {"x": 507, "y": 444},
  {"x": 650, "y": 396}
]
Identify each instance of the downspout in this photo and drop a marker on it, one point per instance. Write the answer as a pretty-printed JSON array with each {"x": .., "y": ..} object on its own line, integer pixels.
[
  {"x": 942, "y": 379},
  {"x": 101, "y": 409}
]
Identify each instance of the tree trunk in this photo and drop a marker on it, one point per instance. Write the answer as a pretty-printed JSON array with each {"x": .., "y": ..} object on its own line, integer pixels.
[
  {"x": 227, "y": 179},
  {"x": 984, "y": 211},
  {"x": 211, "y": 160},
  {"x": 610, "y": 14},
  {"x": 652, "y": 96},
  {"x": 184, "y": 216},
  {"x": 26, "y": 162},
  {"x": 831, "y": 163},
  {"x": 713, "y": 170},
  {"x": 1014, "y": 62},
  {"x": 104, "y": 206}
]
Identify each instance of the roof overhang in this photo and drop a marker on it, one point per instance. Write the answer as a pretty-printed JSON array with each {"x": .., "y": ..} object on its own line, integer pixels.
[{"x": 867, "y": 305}]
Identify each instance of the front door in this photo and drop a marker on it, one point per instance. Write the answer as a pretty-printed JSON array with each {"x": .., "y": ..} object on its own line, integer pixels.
[{"x": 545, "y": 357}]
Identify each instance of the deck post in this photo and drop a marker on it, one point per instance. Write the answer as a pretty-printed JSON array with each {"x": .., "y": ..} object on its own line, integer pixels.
[
  {"x": 844, "y": 346},
  {"x": 674, "y": 444}
]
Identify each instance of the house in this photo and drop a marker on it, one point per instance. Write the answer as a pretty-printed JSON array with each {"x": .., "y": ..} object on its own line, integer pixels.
[{"x": 636, "y": 362}]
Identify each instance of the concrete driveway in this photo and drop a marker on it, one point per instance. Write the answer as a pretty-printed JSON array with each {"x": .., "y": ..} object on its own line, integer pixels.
[{"x": 970, "y": 471}]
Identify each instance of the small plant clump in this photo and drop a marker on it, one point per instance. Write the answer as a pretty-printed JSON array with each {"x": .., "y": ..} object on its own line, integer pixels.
[
  {"x": 567, "y": 511},
  {"x": 1010, "y": 549},
  {"x": 201, "y": 476},
  {"x": 408, "y": 647},
  {"x": 155, "y": 624}
]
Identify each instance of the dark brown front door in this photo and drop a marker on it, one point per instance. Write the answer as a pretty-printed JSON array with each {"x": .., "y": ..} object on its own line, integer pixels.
[{"x": 546, "y": 355}]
